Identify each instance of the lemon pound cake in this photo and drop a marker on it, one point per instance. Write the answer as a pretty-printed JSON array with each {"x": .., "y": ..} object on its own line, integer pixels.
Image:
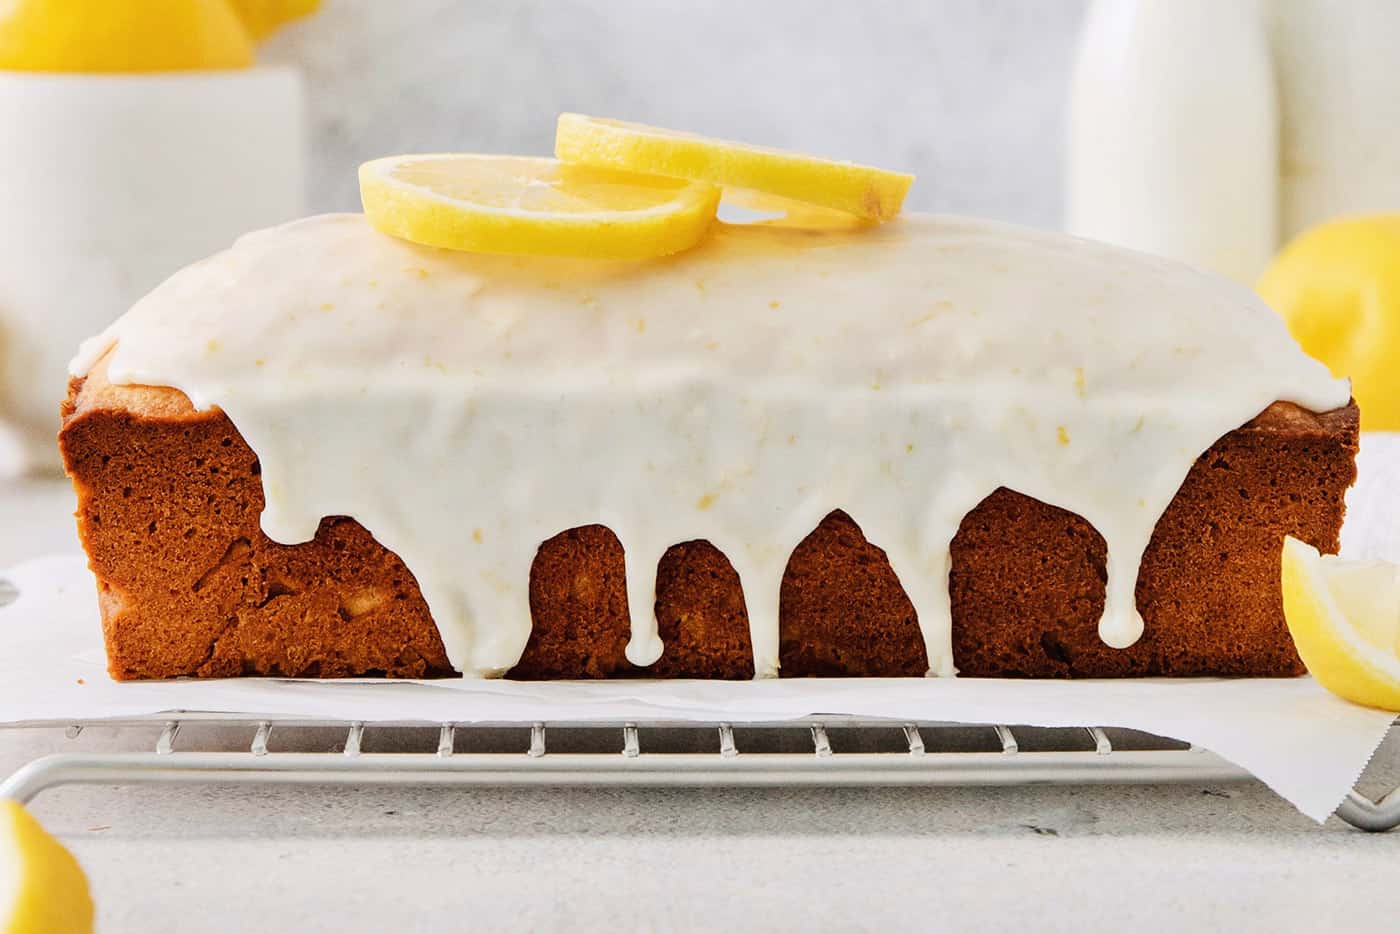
[{"x": 933, "y": 446}]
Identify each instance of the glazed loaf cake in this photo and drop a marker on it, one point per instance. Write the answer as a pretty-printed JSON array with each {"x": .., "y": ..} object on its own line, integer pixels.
[
  {"x": 786, "y": 451},
  {"x": 169, "y": 500}
]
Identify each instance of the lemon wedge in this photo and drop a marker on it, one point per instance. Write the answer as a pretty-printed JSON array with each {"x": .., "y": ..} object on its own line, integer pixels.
[
  {"x": 42, "y": 887},
  {"x": 1338, "y": 287},
  {"x": 517, "y": 204},
  {"x": 1345, "y": 620},
  {"x": 264, "y": 17},
  {"x": 113, "y": 36},
  {"x": 869, "y": 193}
]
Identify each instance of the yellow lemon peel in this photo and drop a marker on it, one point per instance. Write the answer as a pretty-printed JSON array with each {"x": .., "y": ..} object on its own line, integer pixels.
[
  {"x": 1338, "y": 287},
  {"x": 863, "y": 191},
  {"x": 522, "y": 205},
  {"x": 42, "y": 888},
  {"x": 144, "y": 36}
]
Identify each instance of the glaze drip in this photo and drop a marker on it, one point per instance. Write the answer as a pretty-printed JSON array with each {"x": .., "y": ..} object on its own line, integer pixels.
[{"x": 464, "y": 408}]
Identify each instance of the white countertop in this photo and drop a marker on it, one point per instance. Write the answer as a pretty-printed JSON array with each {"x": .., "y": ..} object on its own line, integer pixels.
[{"x": 1155, "y": 858}]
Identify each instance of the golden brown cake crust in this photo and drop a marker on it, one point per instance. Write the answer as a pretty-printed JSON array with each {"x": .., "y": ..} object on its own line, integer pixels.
[{"x": 169, "y": 501}]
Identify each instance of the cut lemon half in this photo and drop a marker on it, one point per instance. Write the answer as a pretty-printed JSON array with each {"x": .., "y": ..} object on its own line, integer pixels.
[
  {"x": 1345, "y": 620},
  {"x": 870, "y": 193},
  {"x": 42, "y": 887},
  {"x": 515, "y": 204}
]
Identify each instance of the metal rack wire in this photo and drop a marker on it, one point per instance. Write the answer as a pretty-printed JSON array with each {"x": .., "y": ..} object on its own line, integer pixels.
[{"x": 799, "y": 752}]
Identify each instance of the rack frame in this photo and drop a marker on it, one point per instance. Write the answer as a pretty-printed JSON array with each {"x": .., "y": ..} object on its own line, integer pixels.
[{"x": 928, "y": 756}]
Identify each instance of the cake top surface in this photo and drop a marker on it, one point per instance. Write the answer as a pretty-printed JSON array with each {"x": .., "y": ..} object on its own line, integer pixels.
[
  {"x": 736, "y": 392},
  {"x": 922, "y": 300}
]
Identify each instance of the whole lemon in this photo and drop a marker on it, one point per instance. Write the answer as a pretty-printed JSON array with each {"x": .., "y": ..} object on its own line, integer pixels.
[
  {"x": 42, "y": 888},
  {"x": 264, "y": 17},
  {"x": 1338, "y": 287},
  {"x": 122, "y": 36}
]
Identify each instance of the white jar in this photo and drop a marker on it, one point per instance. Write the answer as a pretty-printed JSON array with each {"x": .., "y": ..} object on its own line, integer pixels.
[
  {"x": 110, "y": 183},
  {"x": 1173, "y": 132},
  {"x": 1338, "y": 66}
]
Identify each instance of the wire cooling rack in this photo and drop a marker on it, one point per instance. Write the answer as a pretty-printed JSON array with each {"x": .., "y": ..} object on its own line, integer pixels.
[{"x": 829, "y": 751}]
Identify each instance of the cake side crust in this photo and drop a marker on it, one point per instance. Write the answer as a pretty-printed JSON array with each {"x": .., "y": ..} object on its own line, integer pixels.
[
  {"x": 168, "y": 507},
  {"x": 169, "y": 500}
]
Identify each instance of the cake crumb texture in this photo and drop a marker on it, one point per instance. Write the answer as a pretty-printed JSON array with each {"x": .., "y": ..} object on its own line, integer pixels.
[{"x": 1208, "y": 588}]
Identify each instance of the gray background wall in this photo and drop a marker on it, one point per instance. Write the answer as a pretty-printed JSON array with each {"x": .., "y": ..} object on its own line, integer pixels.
[{"x": 968, "y": 94}]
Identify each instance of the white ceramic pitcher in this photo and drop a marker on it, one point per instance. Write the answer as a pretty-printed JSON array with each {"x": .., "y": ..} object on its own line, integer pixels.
[
  {"x": 110, "y": 184},
  {"x": 1212, "y": 131}
]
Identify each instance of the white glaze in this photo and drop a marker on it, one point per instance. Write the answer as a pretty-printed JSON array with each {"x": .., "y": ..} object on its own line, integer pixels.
[{"x": 464, "y": 407}]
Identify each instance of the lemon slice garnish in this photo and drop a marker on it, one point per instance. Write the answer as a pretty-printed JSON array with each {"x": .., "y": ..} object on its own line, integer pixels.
[
  {"x": 870, "y": 193},
  {"x": 150, "y": 36},
  {"x": 515, "y": 204},
  {"x": 42, "y": 887},
  {"x": 1338, "y": 287},
  {"x": 264, "y": 17},
  {"x": 1345, "y": 620},
  {"x": 774, "y": 211}
]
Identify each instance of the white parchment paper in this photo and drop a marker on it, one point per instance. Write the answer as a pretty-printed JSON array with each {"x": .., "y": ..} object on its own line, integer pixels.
[{"x": 1306, "y": 744}]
